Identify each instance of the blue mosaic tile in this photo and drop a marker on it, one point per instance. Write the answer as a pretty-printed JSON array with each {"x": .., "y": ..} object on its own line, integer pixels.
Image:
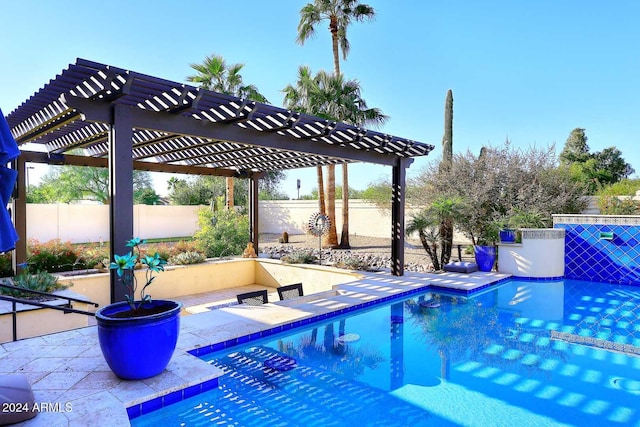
[{"x": 210, "y": 385}]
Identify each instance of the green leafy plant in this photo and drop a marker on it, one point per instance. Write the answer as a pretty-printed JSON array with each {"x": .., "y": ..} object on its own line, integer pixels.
[
  {"x": 185, "y": 258},
  {"x": 222, "y": 232},
  {"x": 125, "y": 268},
  {"x": 41, "y": 281},
  {"x": 6, "y": 269}
]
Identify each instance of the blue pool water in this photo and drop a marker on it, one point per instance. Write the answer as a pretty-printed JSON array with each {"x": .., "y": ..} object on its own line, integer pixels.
[{"x": 523, "y": 353}]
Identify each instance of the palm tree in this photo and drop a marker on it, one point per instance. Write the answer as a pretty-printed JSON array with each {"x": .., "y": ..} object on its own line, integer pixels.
[
  {"x": 331, "y": 97},
  {"x": 214, "y": 74},
  {"x": 434, "y": 226},
  {"x": 340, "y": 14}
]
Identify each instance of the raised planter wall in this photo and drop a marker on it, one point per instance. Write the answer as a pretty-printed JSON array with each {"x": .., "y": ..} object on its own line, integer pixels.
[{"x": 541, "y": 254}]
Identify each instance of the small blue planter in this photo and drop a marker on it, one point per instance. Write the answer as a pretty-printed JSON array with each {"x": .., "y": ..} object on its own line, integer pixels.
[
  {"x": 138, "y": 347},
  {"x": 508, "y": 235},
  {"x": 485, "y": 257}
]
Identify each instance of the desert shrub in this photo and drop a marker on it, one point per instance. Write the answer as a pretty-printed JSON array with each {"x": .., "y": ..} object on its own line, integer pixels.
[
  {"x": 91, "y": 255},
  {"x": 354, "y": 263},
  {"x": 6, "y": 269},
  {"x": 185, "y": 258},
  {"x": 51, "y": 256},
  {"x": 41, "y": 281},
  {"x": 222, "y": 233},
  {"x": 184, "y": 246},
  {"x": 300, "y": 256},
  {"x": 163, "y": 249}
]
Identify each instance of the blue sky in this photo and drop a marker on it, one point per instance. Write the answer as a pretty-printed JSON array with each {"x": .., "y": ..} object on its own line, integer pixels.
[{"x": 523, "y": 70}]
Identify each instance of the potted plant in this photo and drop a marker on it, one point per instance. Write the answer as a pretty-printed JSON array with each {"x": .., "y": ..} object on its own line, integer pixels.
[
  {"x": 138, "y": 337},
  {"x": 485, "y": 245},
  {"x": 507, "y": 231}
]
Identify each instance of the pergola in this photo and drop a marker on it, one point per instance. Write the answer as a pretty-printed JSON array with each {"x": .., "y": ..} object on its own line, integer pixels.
[{"x": 124, "y": 120}]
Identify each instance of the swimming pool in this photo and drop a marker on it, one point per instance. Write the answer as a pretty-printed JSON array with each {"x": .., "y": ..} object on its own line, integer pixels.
[{"x": 527, "y": 353}]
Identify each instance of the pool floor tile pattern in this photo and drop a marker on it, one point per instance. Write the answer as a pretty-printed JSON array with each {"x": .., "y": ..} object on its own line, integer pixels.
[{"x": 68, "y": 367}]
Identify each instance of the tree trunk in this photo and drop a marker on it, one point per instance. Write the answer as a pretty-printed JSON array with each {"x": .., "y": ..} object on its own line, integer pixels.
[
  {"x": 330, "y": 239},
  {"x": 333, "y": 27},
  {"x": 321, "y": 205},
  {"x": 229, "y": 192},
  {"x": 344, "y": 237}
]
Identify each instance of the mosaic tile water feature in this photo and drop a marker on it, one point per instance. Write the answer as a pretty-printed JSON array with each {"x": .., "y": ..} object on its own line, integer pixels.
[{"x": 601, "y": 248}]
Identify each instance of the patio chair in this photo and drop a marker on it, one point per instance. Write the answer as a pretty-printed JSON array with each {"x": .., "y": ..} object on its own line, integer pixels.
[
  {"x": 290, "y": 291},
  {"x": 253, "y": 298}
]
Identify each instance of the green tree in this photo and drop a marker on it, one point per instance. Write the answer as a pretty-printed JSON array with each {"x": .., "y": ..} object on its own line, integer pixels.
[
  {"x": 64, "y": 184},
  {"x": 593, "y": 169},
  {"x": 340, "y": 14},
  {"x": 332, "y": 97},
  {"x": 214, "y": 74}
]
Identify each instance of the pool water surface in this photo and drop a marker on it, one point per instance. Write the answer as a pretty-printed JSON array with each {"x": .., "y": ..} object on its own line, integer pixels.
[{"x": 526, "y": 353}]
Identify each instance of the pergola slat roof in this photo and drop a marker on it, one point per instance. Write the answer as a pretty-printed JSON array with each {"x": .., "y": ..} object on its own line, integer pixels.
[
  {"x": 48, "y": 118},
  {"x": 124, "y": 120}
]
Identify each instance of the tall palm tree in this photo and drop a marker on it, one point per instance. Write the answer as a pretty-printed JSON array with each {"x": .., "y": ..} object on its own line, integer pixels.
[
  {"x": 331, "y": 97},
  {"x": 214, "y": 74},
  {"x": 340, "y": 14}
]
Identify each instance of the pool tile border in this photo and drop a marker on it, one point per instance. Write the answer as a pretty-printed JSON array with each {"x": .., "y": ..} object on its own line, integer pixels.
[{"x": 160, "y": 402}]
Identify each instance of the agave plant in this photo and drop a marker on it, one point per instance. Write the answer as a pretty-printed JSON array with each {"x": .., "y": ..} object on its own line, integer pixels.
[{"x": 125, "y": 266}]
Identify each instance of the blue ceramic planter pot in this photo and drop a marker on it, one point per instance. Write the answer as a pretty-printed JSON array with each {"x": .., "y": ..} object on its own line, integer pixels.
[
  {"x": 508, "y": 235},
  {"x": 139, "y": 347},
  {"x": 485, "y": 257}
]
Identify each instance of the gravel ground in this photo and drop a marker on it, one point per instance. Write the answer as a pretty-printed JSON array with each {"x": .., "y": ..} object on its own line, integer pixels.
[{"x": 378, "y": 248}]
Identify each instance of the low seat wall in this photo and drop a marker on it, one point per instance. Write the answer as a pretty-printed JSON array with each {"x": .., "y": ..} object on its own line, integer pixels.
[{"x": 540, "y": 255}]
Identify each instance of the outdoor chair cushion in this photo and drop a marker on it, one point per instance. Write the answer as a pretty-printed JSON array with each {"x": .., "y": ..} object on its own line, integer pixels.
[
  {"x": 461, "y": 267},
  {"x": 16, "y": 399}
]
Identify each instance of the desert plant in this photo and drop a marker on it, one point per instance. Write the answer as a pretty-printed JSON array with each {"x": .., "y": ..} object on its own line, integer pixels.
[
  {"x": 41, "y": 281},
  {"x": 185, "y": 258},
  {"x": 300, "y": 256},
  {"x": 354, "y": 263}
]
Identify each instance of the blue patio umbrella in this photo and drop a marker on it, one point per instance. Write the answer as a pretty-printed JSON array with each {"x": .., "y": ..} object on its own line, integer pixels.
[{"x": 8, "y": 151}]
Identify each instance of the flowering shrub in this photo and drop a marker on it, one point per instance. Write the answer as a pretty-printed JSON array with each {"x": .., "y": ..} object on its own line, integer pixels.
[
  {"x": 51, "y": 256},
  {"x": 222, "y": 233}
]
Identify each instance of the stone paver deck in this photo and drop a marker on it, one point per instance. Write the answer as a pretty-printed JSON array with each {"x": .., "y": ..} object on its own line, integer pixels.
[{"x": 68, "y": 369}]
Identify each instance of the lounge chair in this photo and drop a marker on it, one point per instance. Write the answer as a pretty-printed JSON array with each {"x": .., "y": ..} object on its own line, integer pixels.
[
  {"x": 290, "y": 291},
  {"x": 253, "y": 298}
]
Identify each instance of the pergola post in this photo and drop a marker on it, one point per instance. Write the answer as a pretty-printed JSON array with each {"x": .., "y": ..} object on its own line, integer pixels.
[
  {"x": 20, "y": 216},
  {"x": 120, "y": 191},
  {"x": 253, "y": 211},
  {"x": 398, "y": 179}
]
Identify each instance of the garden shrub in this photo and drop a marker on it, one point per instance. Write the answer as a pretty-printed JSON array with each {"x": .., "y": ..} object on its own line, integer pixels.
[
  {"x": 51, "y": 256},
  {"x": 354, "y": 263},
  {"x": 91, "y": 255},
  {"x": 300, "y": 256},
  {"x": 6, "y": 269},
  {"x": 185, "y": 258},
  {"x": 41, "y": 281},
  {"x": 222, "y": 233}
]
